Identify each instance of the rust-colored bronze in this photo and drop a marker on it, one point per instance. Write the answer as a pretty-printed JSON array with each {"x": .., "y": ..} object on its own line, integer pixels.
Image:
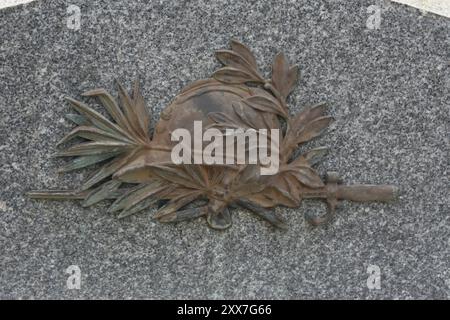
[{"x": 237, "y": 96}]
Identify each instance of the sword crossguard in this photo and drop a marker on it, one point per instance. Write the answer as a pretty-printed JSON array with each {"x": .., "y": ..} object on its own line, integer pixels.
[
  {"x": 332, "y": 179},
  {"x": 333, "y": 192}
]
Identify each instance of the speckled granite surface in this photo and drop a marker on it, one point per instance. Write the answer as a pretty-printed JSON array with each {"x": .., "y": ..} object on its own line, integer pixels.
[{"x": 387, "y": 88}]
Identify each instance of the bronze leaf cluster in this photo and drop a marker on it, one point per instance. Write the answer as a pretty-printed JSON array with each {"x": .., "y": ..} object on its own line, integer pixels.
[{"x": 135, "y": 170}]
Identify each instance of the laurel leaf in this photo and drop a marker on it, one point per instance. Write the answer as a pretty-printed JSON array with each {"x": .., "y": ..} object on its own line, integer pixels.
[
  {"x": 245, "y": 52},
  {"x": 265, "y": 104},
  {"x": 101, "y": 193},
  {"x": 142, "y": 199},
  {"x": 110, "y": 104},
  {"x": 198, "y": 174},
  {"x": 138, "y": 207},
  {"x": 231, "y": 75},
  {"x": 309, "y": 114},
  {"x": 174, "y": 174},
  {"x": 136, "y": 195},
  {"x": 314, "y": 128},
  {"x": 177, "y": 203},
  {"x": 131, "y": 113},
  {"x": 235, "y": 60},
  {"x": 223, "y": 118},
  {"x": 281, "y": 196},
  {"x": 85, "y": 161},
  {"x": 291, "y": 80},
  {"x": 305, "y": 175},
  {"x": 91, "y": 148},
  {"x": 264, "y": 213},
  {"x": 261, "y": 199},
  {"x": 246, "y": 120},
  {"x": 96, "y": 118},
  {"x": 184, "y": 215},
  {"x": 78, "y": 119},
  {"x": 121, "y": 202},
  {"x": 141, "y": 111},
  {"x": 292, "y": 186},
  {"x": 93, "y": 133},
  {"x": 107, "y": 170},
  {"x": 280, "y": 69},
  {"x": 312, "y": 156}
]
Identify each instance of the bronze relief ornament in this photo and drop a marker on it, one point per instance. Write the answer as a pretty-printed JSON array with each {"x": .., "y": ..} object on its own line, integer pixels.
[{"x": 136, "y": 171}]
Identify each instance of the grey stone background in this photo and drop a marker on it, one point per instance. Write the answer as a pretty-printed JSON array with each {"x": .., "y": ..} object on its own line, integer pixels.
[{"x": 386, "y": 87}]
